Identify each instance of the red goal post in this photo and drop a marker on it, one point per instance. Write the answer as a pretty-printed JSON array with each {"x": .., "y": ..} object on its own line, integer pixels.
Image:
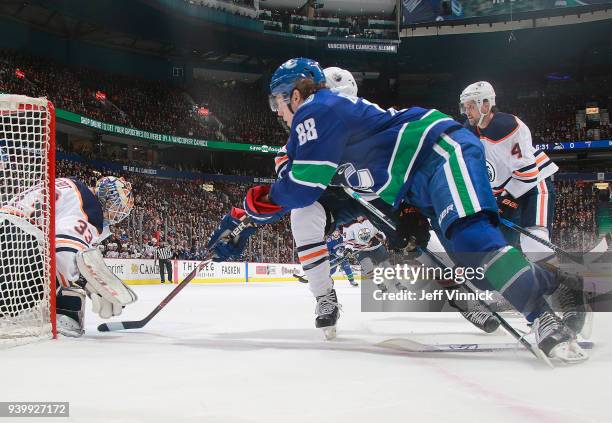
[{"x": 27, "y": 219}]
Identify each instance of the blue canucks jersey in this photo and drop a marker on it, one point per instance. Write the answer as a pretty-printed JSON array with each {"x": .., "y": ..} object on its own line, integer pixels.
[
  {"x": 334, "y": 244},
  {"x": 356, "y": 143}
]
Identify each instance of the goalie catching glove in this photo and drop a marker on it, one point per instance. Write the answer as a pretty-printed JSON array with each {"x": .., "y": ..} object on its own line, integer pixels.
[
  {"x": 107, "y": 292},
  {"x": 223, "y": 248}
]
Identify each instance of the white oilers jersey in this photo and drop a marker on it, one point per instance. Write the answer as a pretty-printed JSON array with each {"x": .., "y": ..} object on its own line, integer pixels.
[
  {"x": 361, "y": 236},
  {"x": 78, "y": 222},
  {"x": 513, "y": 164}
]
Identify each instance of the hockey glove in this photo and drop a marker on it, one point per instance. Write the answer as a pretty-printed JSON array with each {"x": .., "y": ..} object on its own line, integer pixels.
[
  {"x": 412, "y": 227},
  {"x": 100, "y": 305},
  {"x": 225, "y": 249},
  {"x": 260, "y": 208},
  {"x": 507, "y": 206}
]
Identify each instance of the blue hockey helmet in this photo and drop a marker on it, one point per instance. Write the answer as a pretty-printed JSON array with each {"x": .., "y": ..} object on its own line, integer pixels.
[{"x": 284, "y": 79}]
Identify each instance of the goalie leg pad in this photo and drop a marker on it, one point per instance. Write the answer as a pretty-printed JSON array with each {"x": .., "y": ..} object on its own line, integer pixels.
[
  {"x": 70, "y": 309},
  {"x": 101, "y": 280}
]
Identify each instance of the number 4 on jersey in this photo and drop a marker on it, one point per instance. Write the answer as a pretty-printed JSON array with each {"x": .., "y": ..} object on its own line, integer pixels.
[
  {"x": 306, "y": 131},
  {"x": 516, "y": 151}
]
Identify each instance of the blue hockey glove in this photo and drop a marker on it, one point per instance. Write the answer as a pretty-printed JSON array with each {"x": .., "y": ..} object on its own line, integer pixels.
[{"x": 225, "y": 250}]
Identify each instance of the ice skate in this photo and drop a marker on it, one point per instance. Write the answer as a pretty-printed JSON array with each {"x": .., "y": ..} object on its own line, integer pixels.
[
  {"x": 556, "y": 340},
  {"x": 328, "y": 312},
  {"x": 576, "y": 314}
]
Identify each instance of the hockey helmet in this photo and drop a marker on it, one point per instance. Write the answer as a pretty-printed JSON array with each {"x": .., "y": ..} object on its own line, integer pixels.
[
  {"x": 283, "y": 80},
  {"x": 340, "y": 81},
  {"x": 478, "y": 92}
]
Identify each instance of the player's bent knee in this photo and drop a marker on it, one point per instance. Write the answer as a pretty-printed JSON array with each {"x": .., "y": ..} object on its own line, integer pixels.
[{"x": 308, "y": 223}]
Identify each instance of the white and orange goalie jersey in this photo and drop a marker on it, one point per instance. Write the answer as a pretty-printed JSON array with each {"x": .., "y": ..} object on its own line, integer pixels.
[
  {"x": 78, "y": 222},
  {"x": 514, "y": 165},
  {"x": 362, "y": 236}
]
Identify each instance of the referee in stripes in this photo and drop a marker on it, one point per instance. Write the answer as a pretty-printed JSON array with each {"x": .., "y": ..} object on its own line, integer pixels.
[{"x": 164, "y": 254}]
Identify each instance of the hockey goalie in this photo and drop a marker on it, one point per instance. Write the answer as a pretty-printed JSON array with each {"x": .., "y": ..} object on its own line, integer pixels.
[{"x": 82, "y": 219}]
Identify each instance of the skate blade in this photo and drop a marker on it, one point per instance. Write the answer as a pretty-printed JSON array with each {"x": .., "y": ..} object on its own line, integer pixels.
[
  {"x": 329, "y": 332},
  {"x": 568, "y": 352}
]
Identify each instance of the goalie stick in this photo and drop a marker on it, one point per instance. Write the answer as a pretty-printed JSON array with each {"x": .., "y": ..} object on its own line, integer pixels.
[
  {"x": 537, "y": 352},
  {"x": 137, "y": 324}
]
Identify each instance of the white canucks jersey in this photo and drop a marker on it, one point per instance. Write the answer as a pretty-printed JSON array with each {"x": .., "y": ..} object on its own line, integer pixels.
[
  {"x": 362, "y": 236},
  {"x": 513, "y": 164},
  {"x": 78, "y": 222}
]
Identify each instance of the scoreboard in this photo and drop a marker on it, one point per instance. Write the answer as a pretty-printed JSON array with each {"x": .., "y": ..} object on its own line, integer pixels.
[{"x": 575, "y": 145}]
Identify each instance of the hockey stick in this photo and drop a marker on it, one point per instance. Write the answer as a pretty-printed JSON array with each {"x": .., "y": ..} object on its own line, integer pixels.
[
  {"x": 537, "y": 352},
  {"x": 403, "y": 344},
  {"x": 137, "y": 324},
  {"x": 573, "y": 257},
  {"x": 534, "y": 350}
]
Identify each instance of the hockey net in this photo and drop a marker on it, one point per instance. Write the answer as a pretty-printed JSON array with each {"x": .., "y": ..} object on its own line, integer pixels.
[{"x": 27, "y": 199}]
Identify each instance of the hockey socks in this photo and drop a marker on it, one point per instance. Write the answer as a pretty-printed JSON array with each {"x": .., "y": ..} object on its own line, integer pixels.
[{"x": 477, "y": 243}]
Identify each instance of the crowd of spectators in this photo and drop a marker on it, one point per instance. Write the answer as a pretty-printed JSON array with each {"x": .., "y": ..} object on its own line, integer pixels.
[
  {"x": 244, "y": 111},
  {"x": 242, "y": 108},
  {"x": 182, "y": 213},
  {"x": 112, "y": 98},
  {"x": 554, "y": 119},
  {"x": 575, "y": 222}
]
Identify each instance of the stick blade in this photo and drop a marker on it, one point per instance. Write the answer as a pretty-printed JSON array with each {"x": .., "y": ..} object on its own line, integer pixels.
[{"x": 112, "y": 326}]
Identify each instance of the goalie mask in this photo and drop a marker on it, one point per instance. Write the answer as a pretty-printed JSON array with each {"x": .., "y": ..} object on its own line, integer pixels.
[
  {"x": 115, "y": 195},
  {"x": 477, "y": 92}
]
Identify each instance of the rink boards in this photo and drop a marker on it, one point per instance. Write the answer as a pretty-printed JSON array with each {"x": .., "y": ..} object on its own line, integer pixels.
[{"x": 146, "y": 271}]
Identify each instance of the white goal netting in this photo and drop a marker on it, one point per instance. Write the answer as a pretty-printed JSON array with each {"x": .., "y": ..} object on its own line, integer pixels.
[{"x": 27, "y": 145}]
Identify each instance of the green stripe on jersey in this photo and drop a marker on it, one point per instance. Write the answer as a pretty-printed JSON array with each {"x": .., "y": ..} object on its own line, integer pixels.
[
  {"x": 459, "y": 179},
  {"x": 407, "y": 147},
  {"x": 505, "y": 267},
  {"x": 312, "y": 173}
]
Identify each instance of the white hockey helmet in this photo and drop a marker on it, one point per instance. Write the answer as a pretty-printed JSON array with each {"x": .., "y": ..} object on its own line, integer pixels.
[
  {"x": 340, "y": 81},
  {"x": 115, "y": 195},
  {"x": 478, "y": 92}
]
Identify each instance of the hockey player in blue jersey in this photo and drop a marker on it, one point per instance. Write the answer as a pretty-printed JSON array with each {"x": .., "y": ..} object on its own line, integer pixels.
[
  {"x": 337, "y": 254},
  {"x": 416, "y": 155}
]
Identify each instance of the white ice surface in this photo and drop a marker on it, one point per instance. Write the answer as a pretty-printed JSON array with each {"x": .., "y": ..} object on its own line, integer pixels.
[{"x": 250, "y": 353}]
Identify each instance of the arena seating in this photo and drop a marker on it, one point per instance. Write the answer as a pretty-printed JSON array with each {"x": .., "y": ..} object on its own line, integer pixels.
[{"x": 242, "y": 108}]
